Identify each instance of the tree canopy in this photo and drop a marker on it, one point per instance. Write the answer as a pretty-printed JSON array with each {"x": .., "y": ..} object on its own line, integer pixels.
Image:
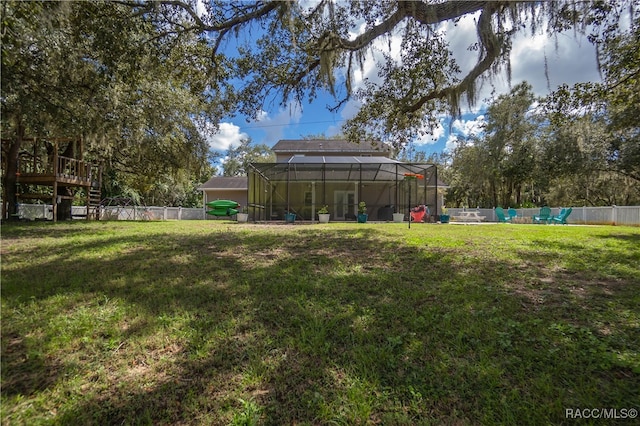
[
  {"x": 578, "y": 146},
  {"x": 140, "y": 99},
  {"x": 298, "y": 49},
  {"x": 237, "y": 159},
  {"x": 144, "y": 81}
]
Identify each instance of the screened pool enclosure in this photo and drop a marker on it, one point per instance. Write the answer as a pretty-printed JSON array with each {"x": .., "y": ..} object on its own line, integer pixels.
[{"x": 304, "y": 184}]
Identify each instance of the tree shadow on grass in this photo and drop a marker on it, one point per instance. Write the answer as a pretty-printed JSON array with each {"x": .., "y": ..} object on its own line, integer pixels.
[
  {"x": 633, "y": 240},
  {"x": 342, "y": 326}
]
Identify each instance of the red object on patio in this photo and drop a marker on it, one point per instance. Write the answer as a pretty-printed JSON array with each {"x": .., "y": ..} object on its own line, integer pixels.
[
  {"x": 414, "y": 176},
  {"x": 417, "y": 213}
]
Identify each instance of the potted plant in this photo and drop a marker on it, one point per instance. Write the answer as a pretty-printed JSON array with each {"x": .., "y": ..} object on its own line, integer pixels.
[
  {"x": 398, "y": 217},
  {"x": 323, "y": 214},
  {"x": 289, "y": 217},
  {"x": 362, "y": 212},
  {"x": 444, "y": 217},
  {"x": 243, "y": 215}
]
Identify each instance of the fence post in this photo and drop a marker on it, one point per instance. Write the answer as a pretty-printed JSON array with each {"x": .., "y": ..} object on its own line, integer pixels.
[
  {"x": 180, "y": 213},
  {"x": 164, "y": 213},
  {"x": 614, "y": 215}
]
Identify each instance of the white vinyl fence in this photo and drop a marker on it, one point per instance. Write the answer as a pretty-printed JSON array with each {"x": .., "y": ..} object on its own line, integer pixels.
[
  {"x": 611, "y": 215},
  {"x": 146, "y": 213},
  {"x": 45, "y": 211}
]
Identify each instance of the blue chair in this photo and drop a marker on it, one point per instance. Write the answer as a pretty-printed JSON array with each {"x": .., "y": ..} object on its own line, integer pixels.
[
  {"x": 500, "y": 215},
  {"x": 512, "y": 214},
  {"x": 562, "y": 217},
  {"x": 544, "y": 216}
]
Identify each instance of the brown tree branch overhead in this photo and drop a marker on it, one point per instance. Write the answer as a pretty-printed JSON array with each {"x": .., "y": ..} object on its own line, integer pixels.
[
  {"x": 492, "y": 50},
  {"x": 325, "y": 49},
  {"x": 244, "y": 15},
  {"x": 321, "y": 35},
  {"x": 423, "y": 13}
]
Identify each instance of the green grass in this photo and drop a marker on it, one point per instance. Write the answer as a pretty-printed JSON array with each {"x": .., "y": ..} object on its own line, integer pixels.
[{"x": 221, "y": 323}]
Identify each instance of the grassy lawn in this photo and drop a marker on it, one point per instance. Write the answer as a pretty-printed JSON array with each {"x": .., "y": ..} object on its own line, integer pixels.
[{"x": 224, "y": 323}]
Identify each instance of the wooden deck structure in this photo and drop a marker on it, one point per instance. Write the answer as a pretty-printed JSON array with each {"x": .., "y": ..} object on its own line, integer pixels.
[{"x": 45, "y": 174}]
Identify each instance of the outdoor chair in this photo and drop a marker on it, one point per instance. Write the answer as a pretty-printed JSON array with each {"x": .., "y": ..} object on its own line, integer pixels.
[
  {"x": 562, "y": 217},
  {"x": 544, "y": 216},
  {"x": 500, "y": 215},
  {"x": 562, "y": 210},
  {"x": 418, "y": 213},
  {"x": 512, "y": 214}
]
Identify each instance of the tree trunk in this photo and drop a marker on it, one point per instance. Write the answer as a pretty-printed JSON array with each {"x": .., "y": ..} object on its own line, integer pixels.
[
  {"x": 11, "y": 176},
  {"x": 507, "y": 194},
  {"x": 494, "y": 192},
  {"x": 64, "y": 207}
]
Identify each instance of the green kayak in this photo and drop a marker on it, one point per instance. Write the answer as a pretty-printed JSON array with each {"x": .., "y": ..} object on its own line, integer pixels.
[
  {"x": 222, "y": 212},
  {"x": 222, "y": 204}
]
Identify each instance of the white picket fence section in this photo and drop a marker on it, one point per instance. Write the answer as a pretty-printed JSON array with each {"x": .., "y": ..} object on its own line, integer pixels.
[{"x": 610, "y": 215}]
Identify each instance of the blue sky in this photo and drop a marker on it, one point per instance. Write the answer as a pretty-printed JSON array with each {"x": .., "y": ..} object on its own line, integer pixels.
[{"x": 570, "y": 58}]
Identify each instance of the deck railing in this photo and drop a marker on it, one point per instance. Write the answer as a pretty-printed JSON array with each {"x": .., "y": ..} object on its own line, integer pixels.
[
  {"x": 29, "y": 165},
  {"x": 72, "y": 168},
  {"x": 57, "y": 165}
]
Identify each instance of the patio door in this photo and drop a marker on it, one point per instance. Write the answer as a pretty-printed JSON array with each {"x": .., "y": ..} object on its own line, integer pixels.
[{"x": 345, "y": 204}]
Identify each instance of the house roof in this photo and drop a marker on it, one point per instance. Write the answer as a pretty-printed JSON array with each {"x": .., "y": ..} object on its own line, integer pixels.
[
  {"x": 347, "y": 159},
  {"x": 226, "y": 183},
  {"x": 329, "y": 146},
  {"x": 347, "y": 168}
]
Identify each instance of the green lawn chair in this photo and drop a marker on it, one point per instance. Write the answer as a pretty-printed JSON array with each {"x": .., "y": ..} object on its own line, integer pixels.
[
  {"x": 500, "y": 215},
  {"x": 544, "y": 216},
  {"x": 562, "y": 217},
  {"x": 512, "y": 214}
]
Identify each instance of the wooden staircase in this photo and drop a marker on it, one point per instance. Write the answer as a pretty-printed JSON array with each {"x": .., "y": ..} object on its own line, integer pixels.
[{"x": 94, "y": 193}]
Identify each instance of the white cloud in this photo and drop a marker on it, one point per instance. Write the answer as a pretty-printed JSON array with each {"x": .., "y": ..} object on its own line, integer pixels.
[
  {"x": 468, "y": 127},
  {"x": 461, "y": 35},
  {"x": 262, "y": 115},
  {"x": 350, "y": 109},
  {"x": 228, "y": 135},
  {"x": 569, "y": 59},
  {"x": 431, "y": 135},
  {"x": 375, "y": 55},
  {"x": 201, "y": 8},
  {"x": 275, "y": 126},
  {"x": 358, "y": 30},
  {"x": 333, "y": 130},
  {"x": 438, "y": 132},
  {"x": 450, "y": 144}
]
